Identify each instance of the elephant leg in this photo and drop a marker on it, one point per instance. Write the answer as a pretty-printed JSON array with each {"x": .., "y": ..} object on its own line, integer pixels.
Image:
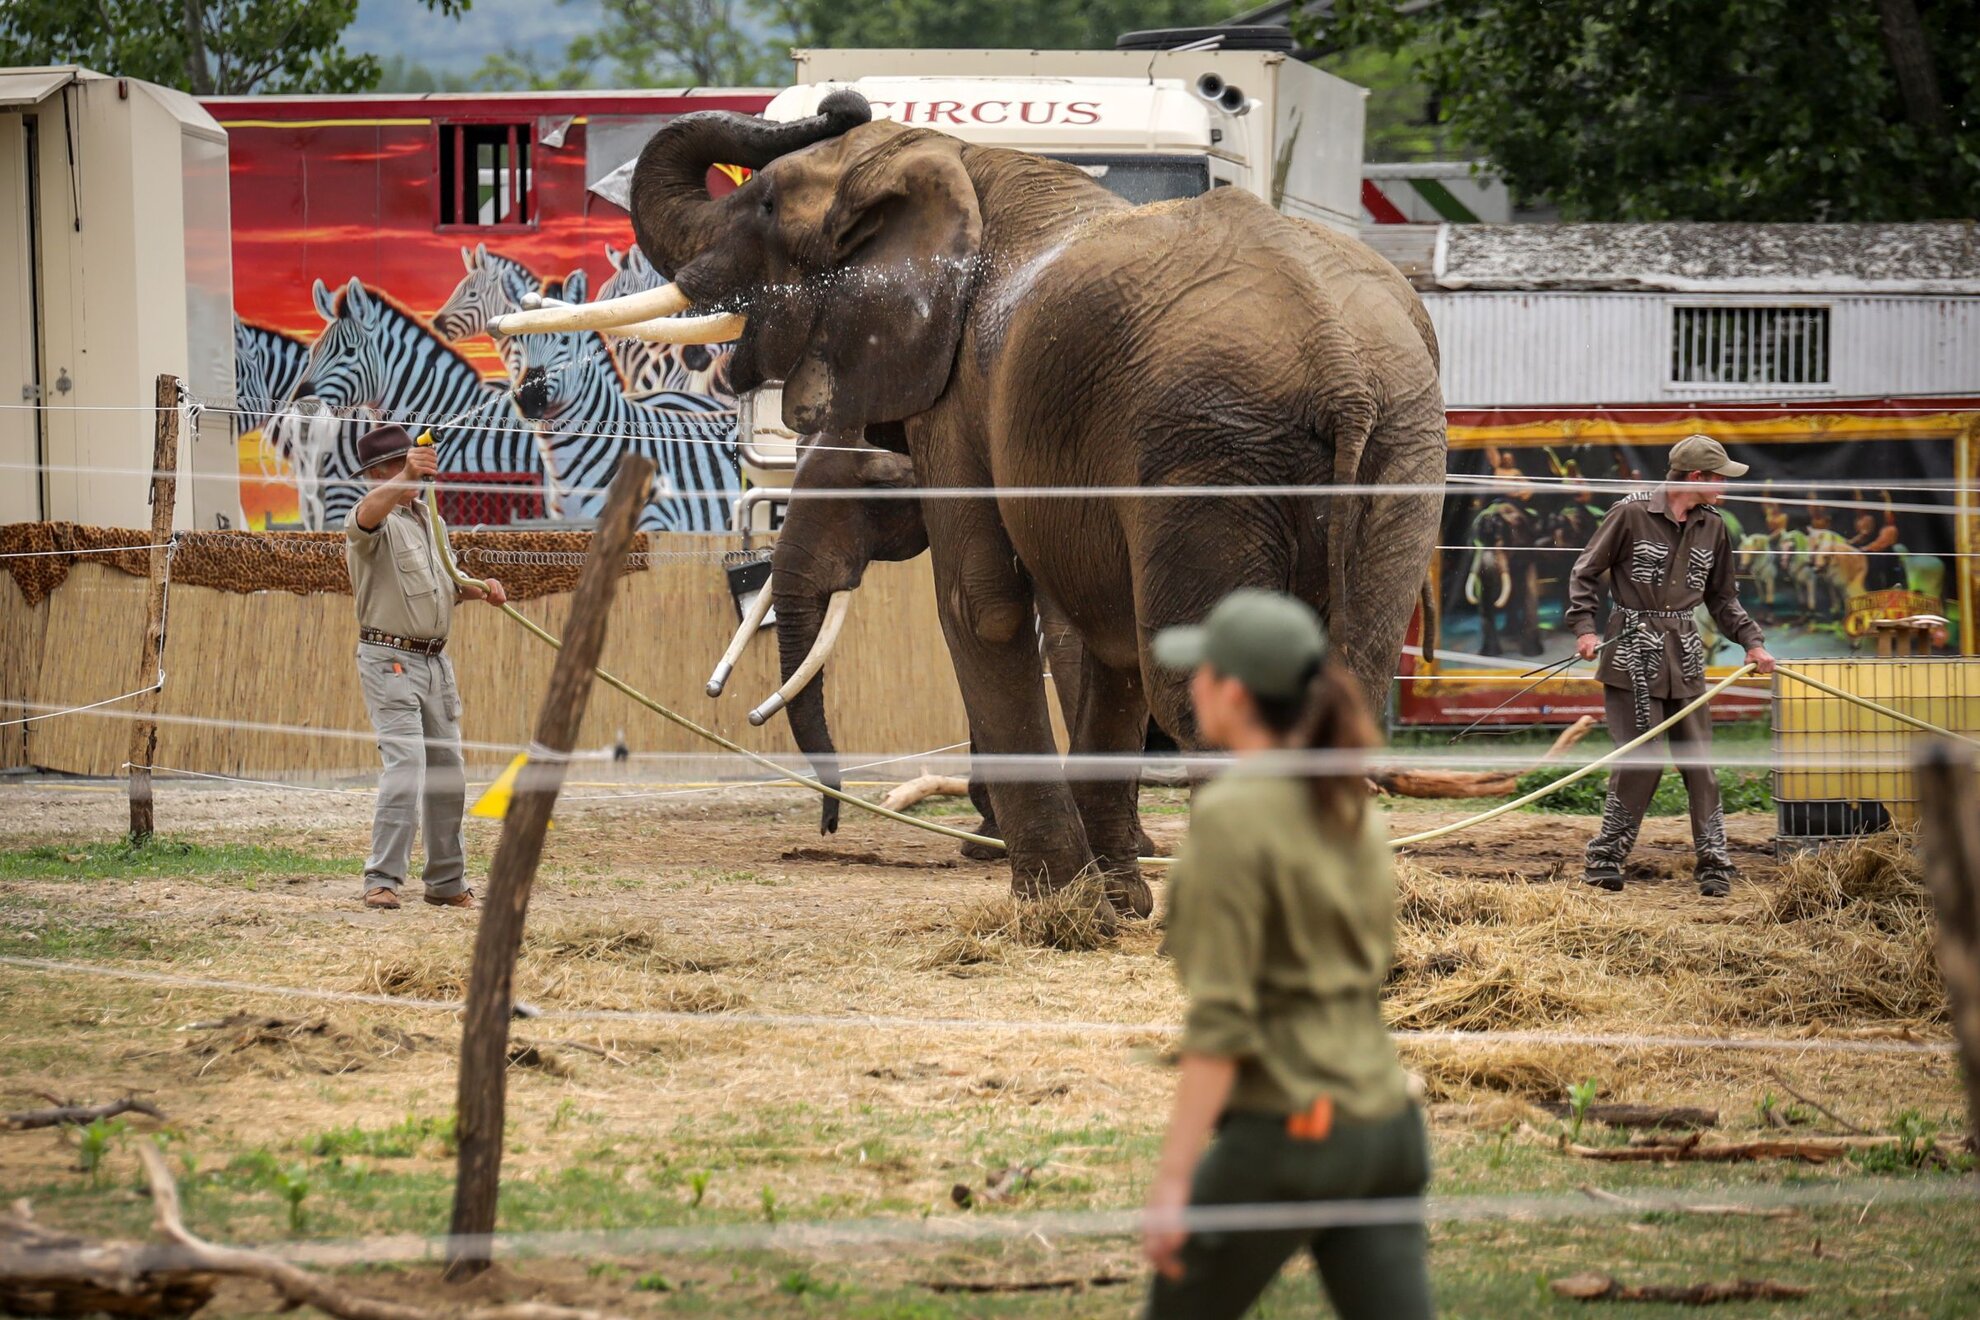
[
  {"x": 1110, "y": 718},
  {"x": 979, "y": 797},
  {"x": 984, "y": 600}
]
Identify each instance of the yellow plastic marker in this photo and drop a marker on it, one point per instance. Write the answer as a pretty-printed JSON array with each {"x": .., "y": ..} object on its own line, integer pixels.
[{"x": 493, "y": 804}]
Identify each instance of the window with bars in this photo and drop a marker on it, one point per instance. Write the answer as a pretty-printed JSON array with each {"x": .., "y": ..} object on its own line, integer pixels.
[
  {"x": 485, "y": 174},
  {"x": 1740, "y": 344}
]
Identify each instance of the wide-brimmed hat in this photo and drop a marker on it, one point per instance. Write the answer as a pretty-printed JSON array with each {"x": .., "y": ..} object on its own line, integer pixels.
[
  {"x": 382, "y": 444},
  {"x": 1701, "y": 453},
  {"x": 1268, "y": 641}
]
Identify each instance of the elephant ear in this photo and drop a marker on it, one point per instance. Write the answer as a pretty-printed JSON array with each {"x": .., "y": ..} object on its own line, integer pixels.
[{"x": 903, "y": 232}]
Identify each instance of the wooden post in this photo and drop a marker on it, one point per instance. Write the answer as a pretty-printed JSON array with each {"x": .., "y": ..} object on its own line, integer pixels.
[
  {"x": 485, "y": 1034},
  {"x": 164, "y": 485},
  {"x": 1949, "y": 834}
]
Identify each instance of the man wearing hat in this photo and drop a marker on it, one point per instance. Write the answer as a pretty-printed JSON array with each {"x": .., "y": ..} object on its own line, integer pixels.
[
  {"x": 1665, "y": 552},
  {"x": 405, "y": 605}
]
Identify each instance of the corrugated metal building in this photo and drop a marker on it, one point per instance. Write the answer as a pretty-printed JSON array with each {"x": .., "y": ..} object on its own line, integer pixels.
[{"x": 1536, "y": 315}]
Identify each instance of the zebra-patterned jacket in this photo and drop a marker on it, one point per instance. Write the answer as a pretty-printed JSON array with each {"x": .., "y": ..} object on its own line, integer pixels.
[{"x": 1660, "y": 572}]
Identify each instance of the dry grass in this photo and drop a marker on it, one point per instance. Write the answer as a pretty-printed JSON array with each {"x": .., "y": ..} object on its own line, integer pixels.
[
  {"x": 1072, "y": 919},
  {"x": 1843, "y": 937}
]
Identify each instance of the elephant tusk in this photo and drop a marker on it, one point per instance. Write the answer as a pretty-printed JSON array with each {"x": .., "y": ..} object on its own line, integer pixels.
[
  {"x": 1505, "y": 585},
  {"x": 759, "y": 609},
  {"x": 715, "y": 328},
  {"x": 828, "y": 637},
  {"x": 641, "y": 306}
]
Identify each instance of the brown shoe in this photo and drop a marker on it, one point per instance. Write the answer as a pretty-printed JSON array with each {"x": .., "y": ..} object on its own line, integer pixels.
[
  {"x": 381, "y": 897},
  {"x": 464, "y": 899}
]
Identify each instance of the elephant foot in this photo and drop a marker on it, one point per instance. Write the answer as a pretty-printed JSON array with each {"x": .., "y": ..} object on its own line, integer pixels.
[
  {"x": 984, "y": 852},
  {"x": 1128, "y": 894}
]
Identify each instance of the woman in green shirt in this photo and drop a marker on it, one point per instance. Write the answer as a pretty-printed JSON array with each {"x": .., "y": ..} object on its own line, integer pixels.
[{"x": 1282, "y": 925}]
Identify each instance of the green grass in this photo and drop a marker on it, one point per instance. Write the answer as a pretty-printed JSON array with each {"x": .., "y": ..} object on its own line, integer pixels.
[
  {"x": 1881, "y": 1256},
  {"x": 1741, "y": 790},
  {"x": 161, "y": 857}
]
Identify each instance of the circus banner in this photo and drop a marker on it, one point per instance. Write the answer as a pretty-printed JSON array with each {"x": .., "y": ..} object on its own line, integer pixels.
[{"x": 1848, "y": 515}]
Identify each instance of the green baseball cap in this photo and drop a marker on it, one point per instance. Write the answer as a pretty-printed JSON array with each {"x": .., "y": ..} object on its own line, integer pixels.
[
  {"x": 1701, "y": 453},
  {"x": 1268, "y": 641}
]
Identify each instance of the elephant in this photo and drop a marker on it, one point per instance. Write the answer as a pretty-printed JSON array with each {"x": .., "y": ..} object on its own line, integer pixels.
[
  {"x": 1009, "y": 324},
  {"x": 1503, "y": 578},
  {"x": 821, "y": 555}
]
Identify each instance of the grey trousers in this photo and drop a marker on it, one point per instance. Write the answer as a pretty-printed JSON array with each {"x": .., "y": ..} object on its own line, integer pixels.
[
  {"x": 416, "y": 710},
  {"x": 1632, "y": 786}
]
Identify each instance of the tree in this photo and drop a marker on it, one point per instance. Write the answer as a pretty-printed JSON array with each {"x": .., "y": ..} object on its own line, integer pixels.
[
  {"x": 986, "y": 24},
  {"x": 1702, "y": 109},
  {"x": 208, "y": 47},
  {"x": 666, "y": 43}
]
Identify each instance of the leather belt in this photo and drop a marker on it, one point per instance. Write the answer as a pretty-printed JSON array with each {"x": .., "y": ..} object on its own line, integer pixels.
[{"x": 416, "y": 645}]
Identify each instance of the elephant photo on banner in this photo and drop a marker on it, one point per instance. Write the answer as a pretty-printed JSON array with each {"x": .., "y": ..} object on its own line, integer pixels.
[
  {"x": 1007, "y": 323},
  {"x": 1816, "y": 565}
]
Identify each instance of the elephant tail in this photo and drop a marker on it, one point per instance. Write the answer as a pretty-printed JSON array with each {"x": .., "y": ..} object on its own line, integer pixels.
[
  {"x": 1426, "y": 632},
  {"x": 1354, "y": 421}
]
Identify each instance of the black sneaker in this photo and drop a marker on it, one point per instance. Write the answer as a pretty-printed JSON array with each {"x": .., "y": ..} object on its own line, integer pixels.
[
  {"x": 1714, "y": 886},
  {"x": 1608, "y": 881}
]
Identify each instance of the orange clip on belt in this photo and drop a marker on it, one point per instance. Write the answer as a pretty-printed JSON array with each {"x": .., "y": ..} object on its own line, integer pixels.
[{"x": 1313, "y": 1123}]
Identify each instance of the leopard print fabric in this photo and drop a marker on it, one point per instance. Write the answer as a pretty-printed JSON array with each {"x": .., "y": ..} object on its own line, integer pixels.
[{"x": 305, "y": 563}]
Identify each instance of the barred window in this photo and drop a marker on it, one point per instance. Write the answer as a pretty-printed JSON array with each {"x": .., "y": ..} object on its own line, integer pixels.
[
  {"x": 485, "y": 174},
  {"x": 1739, "y": 344}
]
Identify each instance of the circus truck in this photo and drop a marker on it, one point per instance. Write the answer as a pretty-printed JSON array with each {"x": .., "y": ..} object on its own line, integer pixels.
[{"x": 1163, "y": 117}]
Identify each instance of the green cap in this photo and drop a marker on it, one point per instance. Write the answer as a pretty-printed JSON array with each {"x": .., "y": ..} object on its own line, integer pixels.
[
  {"x": 1701, "y": 453},
  {"x": 1268, "y": 641}
]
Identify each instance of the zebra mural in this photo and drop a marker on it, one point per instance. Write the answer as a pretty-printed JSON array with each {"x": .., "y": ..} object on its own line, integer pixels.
[
  {"x": 493, "y": 286},
  {"x": 571, "y": 388},
  {"x": 374, "y": 360},
  {"x": 651, "y": 369}
]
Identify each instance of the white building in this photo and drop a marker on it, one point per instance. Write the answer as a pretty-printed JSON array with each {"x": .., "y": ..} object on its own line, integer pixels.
[{"x": 1696, "y": 313}]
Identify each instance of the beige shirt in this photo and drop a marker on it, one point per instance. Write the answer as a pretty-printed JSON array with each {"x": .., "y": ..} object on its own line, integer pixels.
[
  {"x": 1282, "y": 936},
  {"x": 396, "y": 574}
]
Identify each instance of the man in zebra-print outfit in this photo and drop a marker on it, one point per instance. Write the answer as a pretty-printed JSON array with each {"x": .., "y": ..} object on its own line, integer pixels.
[{"x": 1665, "y": 552}]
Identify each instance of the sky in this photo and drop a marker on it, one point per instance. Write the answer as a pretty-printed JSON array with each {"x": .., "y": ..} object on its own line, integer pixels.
[{"x": 445, "y": 45}]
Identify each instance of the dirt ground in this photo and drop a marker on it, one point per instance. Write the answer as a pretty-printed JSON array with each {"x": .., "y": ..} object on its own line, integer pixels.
[{"x": 722, "y": 903}]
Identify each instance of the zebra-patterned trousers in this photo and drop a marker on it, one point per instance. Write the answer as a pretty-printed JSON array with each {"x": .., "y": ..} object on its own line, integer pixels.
[{"x": 1635, "y": 782}]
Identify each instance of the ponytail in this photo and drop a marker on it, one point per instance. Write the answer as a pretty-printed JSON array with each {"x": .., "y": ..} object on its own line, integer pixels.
[{"x": 1329, "y": 716}]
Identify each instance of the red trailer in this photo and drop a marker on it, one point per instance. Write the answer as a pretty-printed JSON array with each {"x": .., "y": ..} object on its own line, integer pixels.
[{"x": 405, "y": 221}]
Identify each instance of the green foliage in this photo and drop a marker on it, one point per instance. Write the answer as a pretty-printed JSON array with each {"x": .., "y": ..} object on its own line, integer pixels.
[
  {"x": 654, "y": 1282},
  {"x": 402, "y": 1139},
  {"x": 94, "y": 1141},
  {"x": 801, "y": 1283},
  {"x": 1740, "y": 790},
  {"x": 698, "y": 1188},
  {"x": 769, "y": 1201},
  {"x": 987, "y": 24},
  {"x": 292, "y": 1184},
  {"x": 1750, "y": 110},
  {"x": 208, "y": 47},
  {"x": 1497, "y": 1159},
  {"x": 1580, "y": 1096}
]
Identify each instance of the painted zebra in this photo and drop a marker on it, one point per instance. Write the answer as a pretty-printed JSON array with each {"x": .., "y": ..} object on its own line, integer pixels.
[
  {"x": 266, "y": 364},
  {"x": 375, "y": 360},
  {"x": 493, "y": 286},
  {"x": 571, "y": 388},
  {"x": 652, "y": 369}
]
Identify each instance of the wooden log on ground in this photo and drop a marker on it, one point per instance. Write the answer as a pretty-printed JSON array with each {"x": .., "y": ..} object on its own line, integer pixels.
[
  {"x": 1602, "y": 1288},
  {"x": 1476, "y": 783},
  {"x": 164, "y": 486},
  {"x": 1949, "y": 837},
  {"x": 1601, "y": 1197},
  {"x": 45, "y": 1271},
  {"x": 902, "y": 796},
  {"x": 1640, "y": 1116},
  {"x": 1809, "y": 1150},
  {"x": 483, "y": 1077},
  {"x": 62, "y": 1115}
]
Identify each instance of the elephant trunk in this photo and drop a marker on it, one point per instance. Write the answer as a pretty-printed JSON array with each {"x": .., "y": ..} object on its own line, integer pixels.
[
  {"x": 800, "y": 616},
  {"x": 673, "y": 216}
]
